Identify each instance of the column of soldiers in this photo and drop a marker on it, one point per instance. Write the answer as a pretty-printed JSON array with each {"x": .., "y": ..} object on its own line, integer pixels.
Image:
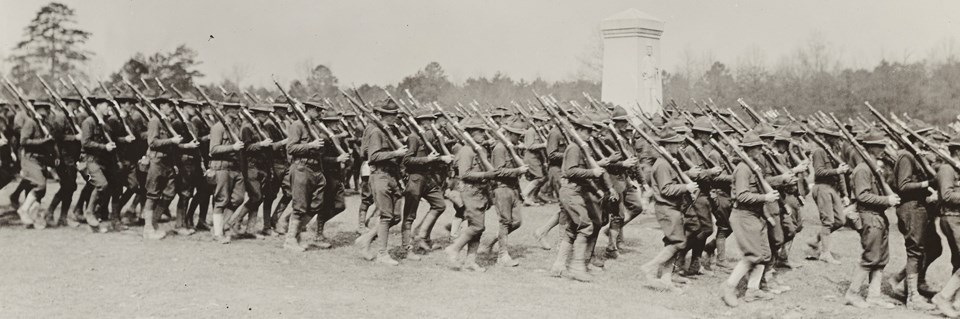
[{"x": 704, "y": 174}]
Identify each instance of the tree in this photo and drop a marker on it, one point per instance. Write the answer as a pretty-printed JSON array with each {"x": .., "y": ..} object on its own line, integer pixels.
[
  {"x": 322, "y": 81},
  {"x": 52, "y": 46},
  {"x": 428, "y": 84},
  {"x": 177, "y": 68}
]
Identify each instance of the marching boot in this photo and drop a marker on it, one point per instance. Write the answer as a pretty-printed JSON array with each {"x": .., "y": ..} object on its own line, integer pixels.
[
  {"x": 503, "y": 258},
  {"x": 453, "y": 251},
  {"x": 321, "y": 241},
  {"x": 470, "y": 263},
  {"x": 825, "y": 254},
  {"x": 852, "y": 296},
  {"x": 563, "y": 258},
  {"x": 652, "y": 268},
  {"x": 874, "y": 294},
  {"x": 944, "y": 299},
  {"x": 363, "y": 244},
  {"x": 915, "y": 301},
  {"x": 252, "y": 222},
  {"x": 88, "y": 212},
  {"x": 541, "y": 238},
  {"x": 578, "y": 266},
  {"x": 291, "y": 239},
  {"x": 218, "y": 234},
  {"x": 182, "y": 228},
  {"x": 455, "y": 227},
  {"x": 898, "y": 284},
  {"x": 383, "y": 255},
  {"x": 613, "y": 249}
]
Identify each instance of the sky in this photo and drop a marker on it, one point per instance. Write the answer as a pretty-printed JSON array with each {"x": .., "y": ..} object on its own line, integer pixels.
[{"x": 380, "y": 42}]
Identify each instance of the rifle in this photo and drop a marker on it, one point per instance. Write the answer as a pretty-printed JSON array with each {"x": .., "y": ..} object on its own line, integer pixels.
[
  {"x": 191, "y": 131},
  {"x": 468, "y": 139},
  {"x": 903, "y": 141},
  {"x": 153, "y": 107},
  {"x": 945, "y": 157},
  {"x": 215, "y": 108},
  {"x": 867, "y": 158},
  {"x": 412, "y": 123},
  {"x": 27, "y": 105},
  {"x": 757, "y": 171},
  {"x": 572, "y": 134},
  {"x": 750, "y": 111},
  {"x": 113, "y": 106},
  {"x": 90, "y": 109},
  {"x": 740, "y": 121},
  {"x": 499, "y": 135},
  {"x": 298, "y": 111},
  {"x": 724, "y": 155},
  {"x": 59, "y": 102},
  {"x": 375, "y": 119},
  {"x": 526, "y": 117}
]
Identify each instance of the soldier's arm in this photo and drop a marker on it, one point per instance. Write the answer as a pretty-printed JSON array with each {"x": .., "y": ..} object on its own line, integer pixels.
[
  {"x": 27, "y": 130},
  {"x": 947, "y": 179},
  {"x": 821, "y": 164},
  {"x": 217, "y": 143},
  {"x": 249, "y": 139},
  {"x": 87, "y": 128},
  {"x": 741, "y": 186},
  {"x": 413, "y": 146},
  {"x": 464, "y": 167},
  {"x": 377, "y": 148},
  {"x": 153, "y": 136},
  {"x": 664, "y": 177},
  {"x": 500, "y": 158},
  {"x": 863, "y": 187},
  {"x": 197, "y": 123},
  {"x": 553, "y": 146},
  {"x": 295, "y": 146},
  {"x": 903, "y": 171},
  {"x": 572, "y": 164},
  {"x": 530, "y": 140}
]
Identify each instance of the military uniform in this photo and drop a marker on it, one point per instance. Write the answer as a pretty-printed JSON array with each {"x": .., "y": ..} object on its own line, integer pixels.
[
  {"x": 384, "y": 173},
  {"x": 475, "y": 194},
  {"x": 580, "y": 200},
  {"x": 225, "y": 169},
  {"x": 915, "y": 216},
  {"x": 425, "y": 180},
  {"x": 68, "y": 147}
]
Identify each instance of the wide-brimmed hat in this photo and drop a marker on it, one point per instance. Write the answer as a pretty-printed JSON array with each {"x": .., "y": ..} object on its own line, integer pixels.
[
  {"x": 702, "y": 124},
  {"x": 677, "y": 125},
  {"x": 620, "y": 114},
  {"x": 669, "y": 136},
  {"x": 954, "y": 142},
  {"x": 41, "y": 104},
  {"x": 541, "y": 115},
  {"x": 165, "y": 97},
  {"x": 232, "y": 100},
  {"x": 261, "y": 107},
  {"x": 387, "y": 106},
  {"x": 765, "y": 131},
  {"x": 782, "y": 135},
  {"x": 751, "y": 139},
  {"x": 515, "y": 127},
  {"x": 873, "y": 138},
  {"x": 829, "y": 130},
  {"x": 473, "y": 123},
  {"x": 581, "y": 121},
  {"x": 424, "y": 114},
  {"x": 330, "y": 116}
]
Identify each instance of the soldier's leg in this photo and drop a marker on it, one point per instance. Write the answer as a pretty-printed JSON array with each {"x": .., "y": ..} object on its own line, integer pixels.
[
  {"x": 280, "y": 213},
  {"x": 434, "y": 197},
  {"x": 416, "y": 184},
  {"x": 553, "y": 174},
  {"x": 301, "y": 189},
  {"x": 575, "y": 205},
  {"x": 475, "y": 204},
  {"x": 64, "y": 196},
  {"x": 158, "y": 177},
  {"x": 384, "y": 189},
  {"x": 328, "y": 202},
  {"x": 366, "y": 200},
  {"x": 659, "y": 269},
  {"x": 506, "y": 201}
]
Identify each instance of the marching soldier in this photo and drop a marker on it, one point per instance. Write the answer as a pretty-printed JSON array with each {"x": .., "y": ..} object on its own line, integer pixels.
[
  {"x": 164, "y": 155},
  {"x": 68, "y": 147},
  {"x": 475, "y": 193},
  {"x": 949, "y": 189},
  {"x": 279, "y": 170},
  {"x": 256, "y": 154},
  {"x": 384, "y": 171},
  {"x": 874, "y": 227},
  {"x": 698, "y": 219},
  {"x": 225, "y": 160},
  {"x": 334, "y": 163},
  {"x": 307, "y": 181},
  {"x": 749, "y": 225},
  {"x": 506, "y": 192},
  {"x": 827, "y": 192},
  {"x": 204, "y": 187},
  {"x": 190, "y": 172},
  {"x": 534, "y": 157},
  {"x": 670, "y": 195},
  {"x": 426, "y": 172},
  {"x": 556, "y": 145},
  {"x": 37, "y": 156}
]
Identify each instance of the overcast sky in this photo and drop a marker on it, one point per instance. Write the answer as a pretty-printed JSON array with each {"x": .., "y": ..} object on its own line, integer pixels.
[{"x": 382, "y": 41}]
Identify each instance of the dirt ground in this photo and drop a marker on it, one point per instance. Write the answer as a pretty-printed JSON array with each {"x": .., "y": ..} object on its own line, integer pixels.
[{"x": 73, "y": 273}]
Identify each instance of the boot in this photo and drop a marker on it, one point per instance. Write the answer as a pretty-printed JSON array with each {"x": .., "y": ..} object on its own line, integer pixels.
[
  {"x": 504, "y": 259},
  {"x": 181, "y": 227},
  {"x": 291, "y": 239},
  {"x": 563, "y": 258},
  {"x": 874, "y": 295},
  {"x": 88, "y": 215},
  {"x": 541, "y": 238},
  {"x": 218, "y": 234},
  {"x": 825, "y": 254},
  {"x": 898, "y": 284},
  {"x": 453, "y": 251},
  {"x": 470, "y": 264},
  {"x": 578, "y": 266},
  {"x": 363, "y": 244},
  {"x": 383, "y": 257},
  {"x": 754, "y": 294},
  {"x": 915, "y": 301},
  {"x": 852, "y": 296},
  {"x": 729, "y": 296},
  {"x": 455, "y": 227},
  {"x": 944, "y": 306},
  {"x": 410, "y": 254}
]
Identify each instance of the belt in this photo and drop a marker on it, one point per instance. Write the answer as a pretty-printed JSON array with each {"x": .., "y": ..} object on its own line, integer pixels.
[
  {"x": 156, "y": 154},
  {"x": 307, "y": 161},
  {"x": 951, "y": 214},
  {"x": 221, "y": 164}
]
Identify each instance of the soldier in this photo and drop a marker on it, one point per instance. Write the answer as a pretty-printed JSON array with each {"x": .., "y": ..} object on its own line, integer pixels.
[
  {"x": 475, "y": 193},
  {"x": 37, "y": 156},
  {"x": 506, "y": 192},
  {"x": 671, "y": 197},
  {"x": 828, "y": 188},
  {"x": 307, "y": 181},
  {"x": 68, "y": 147},
  {"x": 190, "y": 173},
  {"x": 749, "y": 225},
  {"x": 133, "y": 161},
  {"x": 698, "y": 219},
  {"x": 426, "y": 172},
  {"x": 384, "y": 171},
  {"x": 556, "y": 145},
  {"x": 622, "y": 171},
  {"x": 225, "y": 159},
  {"x": 787, "y": 144},
  {"x": 101, "y": 160},
  {"x": 164, "y": 154},
  {"x": 915, "y": 219},
  {"x": 334, "y": 163},
  {"x": 256, "y": 154},
  {"x": 534, "y": 157},
  {"x": 201, "y": 199},
  {"x": 275, "y": 130},
  {"x": 949, "y": 189},
  {"x": 873, "y": 227}
]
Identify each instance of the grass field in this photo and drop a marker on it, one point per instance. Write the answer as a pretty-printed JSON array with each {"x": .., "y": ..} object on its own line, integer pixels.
[{"x": 73, "y": 273}]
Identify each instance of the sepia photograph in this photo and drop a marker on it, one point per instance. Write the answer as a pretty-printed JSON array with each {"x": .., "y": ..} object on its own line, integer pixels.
[{"x": 479, "y": 159}]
